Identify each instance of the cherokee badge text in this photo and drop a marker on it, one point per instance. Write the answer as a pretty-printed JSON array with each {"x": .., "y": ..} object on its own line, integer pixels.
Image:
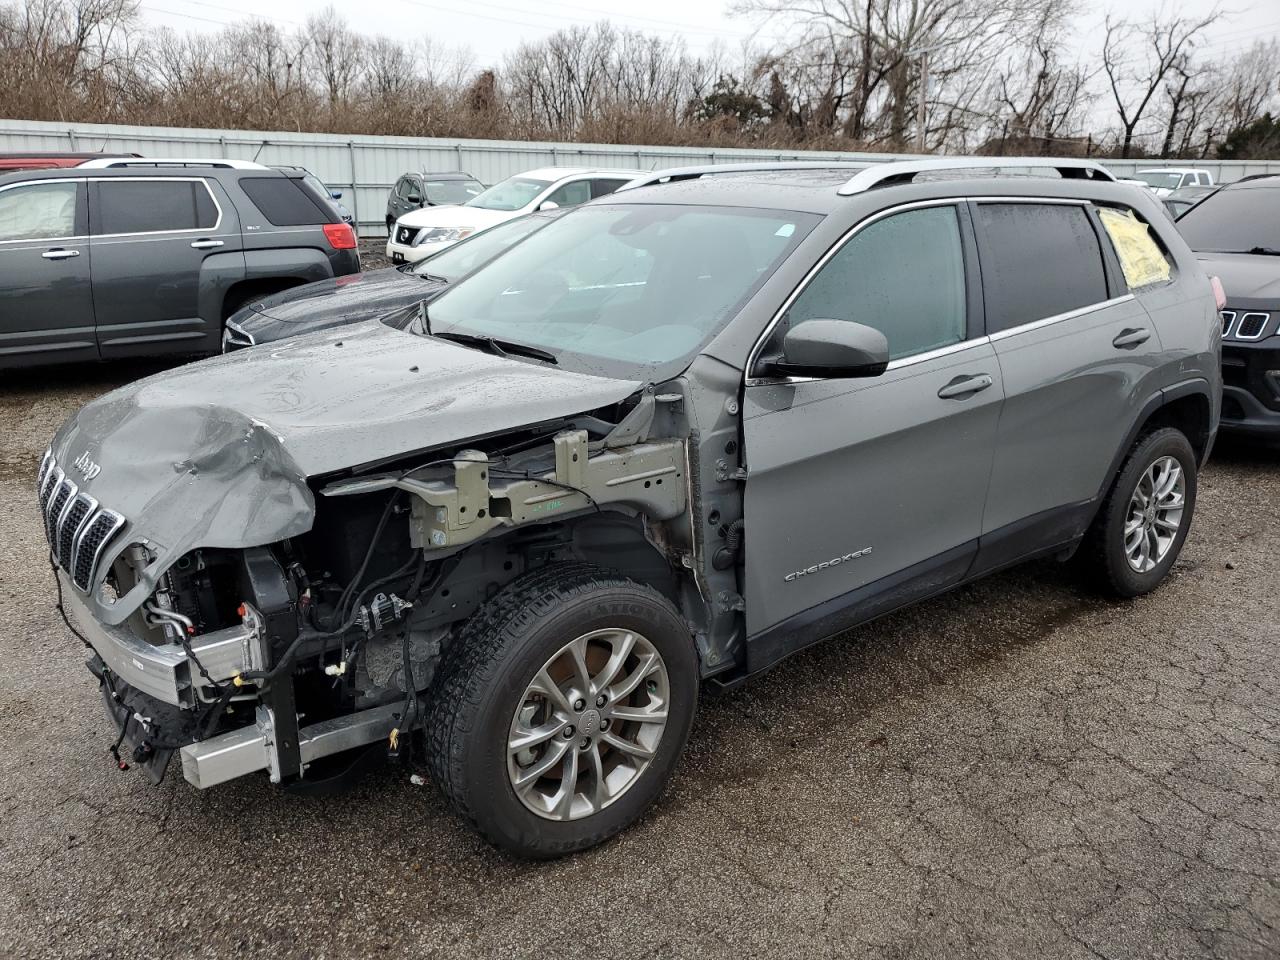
[{"x": 834, "y": 561}]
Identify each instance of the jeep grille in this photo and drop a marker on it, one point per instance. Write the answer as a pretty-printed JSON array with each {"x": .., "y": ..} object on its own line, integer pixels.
[{"x": 77, "y": 529}]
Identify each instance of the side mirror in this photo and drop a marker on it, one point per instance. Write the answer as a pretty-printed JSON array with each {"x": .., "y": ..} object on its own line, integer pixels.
[
  {"x": 336, "y": 194},
  {"x": 548, "y": 205},
  {"x": 414, "y": 198},
  {"x": 832, "y": 348}
]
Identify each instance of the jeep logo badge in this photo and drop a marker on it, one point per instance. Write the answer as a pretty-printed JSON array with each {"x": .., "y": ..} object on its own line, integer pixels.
[{"x": 88, "y": 469}]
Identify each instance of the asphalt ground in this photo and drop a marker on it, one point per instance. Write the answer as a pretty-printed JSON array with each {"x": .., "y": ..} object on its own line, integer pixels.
[{"x": 1017, "y": 770}]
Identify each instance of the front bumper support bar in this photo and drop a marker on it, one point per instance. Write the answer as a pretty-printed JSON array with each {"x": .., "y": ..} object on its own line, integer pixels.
[{"x": 253, "y": 748}]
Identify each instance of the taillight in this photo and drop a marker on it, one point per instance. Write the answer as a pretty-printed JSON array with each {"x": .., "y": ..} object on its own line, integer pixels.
[
  {"x": 1219, "y": 294},
  {"x": 340, "y": 236}
]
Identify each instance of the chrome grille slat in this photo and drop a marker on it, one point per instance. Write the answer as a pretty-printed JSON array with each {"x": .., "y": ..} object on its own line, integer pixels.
[
  {"x": 94, "y": 539},
  {"x": 78, "y": 531},
  {"x": 70, "y": 492},
  {"x": 61, "y": 494},
  {"x": 1252, "y": 326},
  {"x": 74, "y": 516},
  {"x": 1228, "y": 318}
]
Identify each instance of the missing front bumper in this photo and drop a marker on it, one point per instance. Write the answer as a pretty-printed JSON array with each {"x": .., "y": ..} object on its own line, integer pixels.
[{"x": 254, "y": 747}]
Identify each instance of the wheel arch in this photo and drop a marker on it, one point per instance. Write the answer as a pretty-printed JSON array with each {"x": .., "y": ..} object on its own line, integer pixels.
[{"x": 1185, "y": 406}]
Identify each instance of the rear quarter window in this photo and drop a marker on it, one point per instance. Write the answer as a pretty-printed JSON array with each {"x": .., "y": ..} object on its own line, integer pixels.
[
  {"x": 1038, "y": 260},
  {"x": 1142, "y": 260},
  {"x": 284, "y": 202}
]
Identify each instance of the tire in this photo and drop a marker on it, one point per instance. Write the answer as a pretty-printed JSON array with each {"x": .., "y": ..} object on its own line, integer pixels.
[
  {"x": 485, "y": 697},
  {"x": 1108, "y": 555},
  {"x": 391, "y": 223}
]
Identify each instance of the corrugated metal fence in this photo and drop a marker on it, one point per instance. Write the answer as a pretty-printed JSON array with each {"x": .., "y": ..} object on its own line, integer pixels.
[{"x": 365, "y": 168}]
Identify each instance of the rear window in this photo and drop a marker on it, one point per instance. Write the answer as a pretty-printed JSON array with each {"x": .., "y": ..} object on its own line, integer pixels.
[
  {"x": 1038, "y": 260},
  {"x": 1234, "y": 221},
  {"x": 1141, "y": 259},
  {"x": 285, "y": 202},
  {"x": 153, "y": 206}
]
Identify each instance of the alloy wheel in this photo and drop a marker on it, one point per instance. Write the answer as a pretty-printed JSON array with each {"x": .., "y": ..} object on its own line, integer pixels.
[
  {"x": 588, "y": 725},
  {"x": 1155, "y": 514}
]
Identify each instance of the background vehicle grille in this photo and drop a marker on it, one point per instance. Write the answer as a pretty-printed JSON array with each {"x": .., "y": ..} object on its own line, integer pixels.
[
  {"x": 1251, "y": 326},
  {"x": 78, "y": 531}
]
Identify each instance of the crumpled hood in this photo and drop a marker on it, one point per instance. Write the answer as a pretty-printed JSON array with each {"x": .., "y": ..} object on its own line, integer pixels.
[
  {"x": 217, "y": 453},
  {"x": 1249, "y": 280},
  {"x": 477, "y": 218}
]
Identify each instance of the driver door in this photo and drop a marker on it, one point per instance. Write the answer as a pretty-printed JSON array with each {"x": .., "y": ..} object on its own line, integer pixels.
[{"x": 866, "y": 493}]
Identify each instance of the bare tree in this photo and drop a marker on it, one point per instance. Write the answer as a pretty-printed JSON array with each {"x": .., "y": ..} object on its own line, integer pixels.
[
  {"x": 1139, "y": 58},
  {"x": 337, "y": 57},
  {"x": 848, "y": 74}
]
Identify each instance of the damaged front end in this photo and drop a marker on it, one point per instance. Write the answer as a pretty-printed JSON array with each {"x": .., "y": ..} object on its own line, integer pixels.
[{"x": 278, "y": 656}]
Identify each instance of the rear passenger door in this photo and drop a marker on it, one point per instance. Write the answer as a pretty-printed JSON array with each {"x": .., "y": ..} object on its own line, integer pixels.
[
  {"x": 163, "y": 250},
  {"x": 863, "y": 494},
  {"x": 46, "y": 303},
  {"x": 1076, "y": 352}
]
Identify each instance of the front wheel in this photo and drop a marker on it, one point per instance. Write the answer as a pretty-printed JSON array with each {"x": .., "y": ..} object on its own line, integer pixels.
[
  {"x": 562, "y": 709},
  {"x": 1139, "y": 532}
]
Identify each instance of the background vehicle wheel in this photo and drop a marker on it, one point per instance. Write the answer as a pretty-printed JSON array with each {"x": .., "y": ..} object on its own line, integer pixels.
[
  {"x": 391, "y": 223},
  {"x": 562, "y": 708},
  {"x": 1139, "y": 532}
]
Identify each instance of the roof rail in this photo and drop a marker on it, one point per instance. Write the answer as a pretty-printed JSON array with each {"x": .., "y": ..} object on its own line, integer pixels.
[
  {"x": 676, "y": 174},
  {"x": 109, "y": 163},
  {"x": 904, "y": 171}
]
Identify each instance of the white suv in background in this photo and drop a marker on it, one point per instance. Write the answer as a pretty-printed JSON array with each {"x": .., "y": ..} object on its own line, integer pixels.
[
  {"x": 421, "y": 233},
  {"x": 1162, "y": 181}
]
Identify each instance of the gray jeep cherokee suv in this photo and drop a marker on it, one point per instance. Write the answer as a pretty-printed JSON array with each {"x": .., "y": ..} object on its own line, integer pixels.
[
  {"x": 671, "y": 438},
  {"x": 133, "y": 257}
]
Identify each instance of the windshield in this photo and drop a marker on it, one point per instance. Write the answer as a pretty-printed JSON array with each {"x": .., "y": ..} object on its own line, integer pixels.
[
  {"x": 1158, "y": 179},
  {"x": 623, "y": 290},
  {"x": 452, "y": 191},
  {"x": 511, "y": 194},
  {"x": 461, "y": 258},
  {"x": 1234, "y": 221}
]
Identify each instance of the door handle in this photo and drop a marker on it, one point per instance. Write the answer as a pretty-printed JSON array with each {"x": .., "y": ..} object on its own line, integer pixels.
[
  {"x": 60, "y": 254},
  {"x": 965, "y": 386},
  {"x": 1131, "y": 337},
  {"x": 206, "y": 244}
]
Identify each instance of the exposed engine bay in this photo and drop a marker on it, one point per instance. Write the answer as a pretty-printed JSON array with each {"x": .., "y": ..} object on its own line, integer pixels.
[{"x": 278, "y": 656}]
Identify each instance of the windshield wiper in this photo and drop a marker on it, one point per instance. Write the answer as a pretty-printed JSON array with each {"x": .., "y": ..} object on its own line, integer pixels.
[
  {"x": 502, "y": 348},
  {"x": 1265, "y": 251}
]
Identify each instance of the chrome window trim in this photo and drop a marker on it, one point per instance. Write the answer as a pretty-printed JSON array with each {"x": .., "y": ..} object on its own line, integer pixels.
[
  {"x": 754, "y": 356},
  {"x": 1058, "y": 318},
  {"x": 42, "y": 241},
  {"x": 151, "y": 233},
  {"x": 1266, "y": 320},
  {"x": 898, "y": 364}
]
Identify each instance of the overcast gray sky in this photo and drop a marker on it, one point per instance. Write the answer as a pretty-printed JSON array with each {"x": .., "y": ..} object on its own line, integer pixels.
[{"x": 489, "y": 28}]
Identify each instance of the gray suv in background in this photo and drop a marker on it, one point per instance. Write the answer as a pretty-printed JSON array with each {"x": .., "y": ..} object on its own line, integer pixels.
[
  {"x": 668, "y": 439},
  {"x": 126, "y": 258},
  {"x": 413, "y": 191}
]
